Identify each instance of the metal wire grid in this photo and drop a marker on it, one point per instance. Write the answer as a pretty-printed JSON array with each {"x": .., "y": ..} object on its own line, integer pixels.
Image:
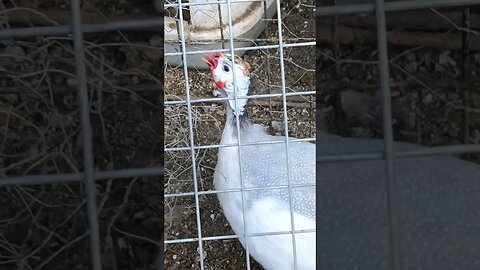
[
  {"x": 89, "y": 175},
  {"x": 388, "y": 155},
  {"x": 380, "y": 8},
  {"x": 192, "y": 148}
]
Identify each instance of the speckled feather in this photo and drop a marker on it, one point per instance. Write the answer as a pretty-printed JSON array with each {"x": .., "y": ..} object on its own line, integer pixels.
[
  {"x": 266, "y": 166},
  {"x": 263, "y": 166},
  {"x": 269, "y": 210}
]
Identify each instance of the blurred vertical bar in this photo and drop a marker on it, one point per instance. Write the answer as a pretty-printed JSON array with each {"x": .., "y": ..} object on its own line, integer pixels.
[
  {"x": 82, "y": 92},
  {"x": 392, "y": 207},
  {"x": 160, "y": 6},
  {"x": 191, "y": 134}
]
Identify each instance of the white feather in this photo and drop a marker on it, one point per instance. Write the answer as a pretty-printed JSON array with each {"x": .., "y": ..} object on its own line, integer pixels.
[{"x": 269, "y": 210}]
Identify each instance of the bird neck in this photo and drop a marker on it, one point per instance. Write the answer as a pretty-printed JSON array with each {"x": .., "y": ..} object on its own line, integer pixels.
[
  {"x": 232, "y": 117},
  {"x": 230, "y": 133},
  {"x": 237, "y": 106}
]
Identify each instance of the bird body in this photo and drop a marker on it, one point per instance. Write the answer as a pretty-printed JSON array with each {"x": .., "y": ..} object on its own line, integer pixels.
[
  {"x": 265, "y": 166},
  {"x": 425, "y": 185}
]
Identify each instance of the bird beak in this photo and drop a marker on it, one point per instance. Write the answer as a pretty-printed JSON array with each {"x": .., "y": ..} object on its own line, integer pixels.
[{"x": 209, "y": 62}]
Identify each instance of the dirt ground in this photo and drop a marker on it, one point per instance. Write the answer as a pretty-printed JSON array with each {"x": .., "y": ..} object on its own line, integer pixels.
[{"x": 45, "y": 226}]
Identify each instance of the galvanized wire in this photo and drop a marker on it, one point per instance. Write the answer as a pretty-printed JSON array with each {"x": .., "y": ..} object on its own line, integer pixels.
[
  {"x": 240, "y": 145},
  {"x": 389, "y": 155},
  {"x": 88, "y": 176},
  {"x": 237, "y": 122},
  {"x": 191, "y": 135},
  {"x": 262, "y": 47},
  {"x": 236, "y": 236},
  {"x": 383, "y": 72},
  {"x": 285, "y": 123},
  {"x": 86, "y": 28},
  {"x": 86, "y": 131},
  {"x": 77, "y": 177},
  {"x": 390, "y": 6}
]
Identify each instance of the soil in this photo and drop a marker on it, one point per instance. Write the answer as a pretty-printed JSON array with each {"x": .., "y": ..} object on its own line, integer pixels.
[{"x": 46, "y": 226}]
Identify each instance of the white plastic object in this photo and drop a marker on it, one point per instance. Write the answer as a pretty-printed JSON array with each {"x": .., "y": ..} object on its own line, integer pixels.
[{"x": 208, "y": 28}]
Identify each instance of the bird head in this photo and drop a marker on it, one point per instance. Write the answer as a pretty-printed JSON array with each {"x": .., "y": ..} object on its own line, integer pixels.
[{"x": 221, "y": 66}]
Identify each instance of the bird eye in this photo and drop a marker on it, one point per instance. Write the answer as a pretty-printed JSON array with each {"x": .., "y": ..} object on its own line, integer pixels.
[
  {"x": 216, "y": 56},
  {"x": 226, "y": 68}
]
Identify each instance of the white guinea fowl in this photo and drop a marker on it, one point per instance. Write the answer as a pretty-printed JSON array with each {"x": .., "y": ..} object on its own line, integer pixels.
[{"x": 266, "y": 210}]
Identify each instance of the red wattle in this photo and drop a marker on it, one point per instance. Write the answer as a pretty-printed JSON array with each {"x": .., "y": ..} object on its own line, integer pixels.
[{"x": 220, "y": 84}]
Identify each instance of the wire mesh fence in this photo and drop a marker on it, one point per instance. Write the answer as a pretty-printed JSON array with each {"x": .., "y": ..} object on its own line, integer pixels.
[
  {"x": 70, "y": 200},
  {"x": 388, "y": 226},
  {"x": 196, "y": 231},
  {"x": 81, "y": 137},
  {"x": 189, "y": 245}
]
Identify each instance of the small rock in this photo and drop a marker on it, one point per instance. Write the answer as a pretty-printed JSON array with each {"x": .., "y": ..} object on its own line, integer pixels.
[
  {"x": 395, "y": 94},
  {"x": 427, "y": 99},
  {"x": 204, "y": 254},
  {"x": 475, "y": 137},
  {"x": 122, "y": 243},
  {"x": 277, "y": 126},
  {"x": 442, "y": 58},
  {"x": 135, "y": 80}
]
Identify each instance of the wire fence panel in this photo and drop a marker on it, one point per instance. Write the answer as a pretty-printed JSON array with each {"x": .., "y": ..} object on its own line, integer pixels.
[
  {"x": 79, "y": 103},
  {"x": 377, "y": 214},
  {"x": 82, "y": 152},
  {"x": 197, "y": 233}
]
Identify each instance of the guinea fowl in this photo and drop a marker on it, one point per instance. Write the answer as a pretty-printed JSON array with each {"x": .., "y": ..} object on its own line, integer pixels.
[{"x": 263, "y": 166}]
